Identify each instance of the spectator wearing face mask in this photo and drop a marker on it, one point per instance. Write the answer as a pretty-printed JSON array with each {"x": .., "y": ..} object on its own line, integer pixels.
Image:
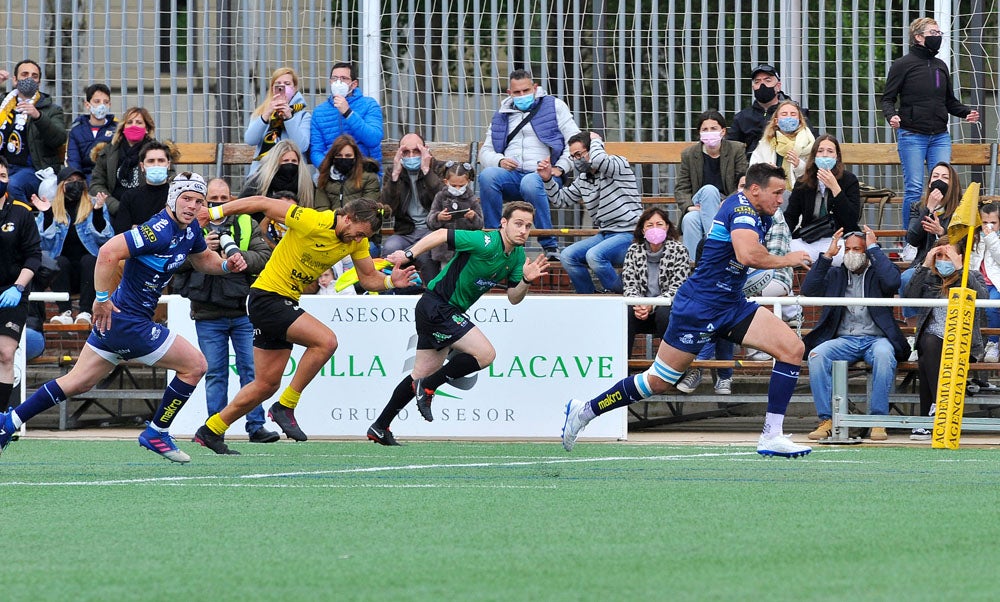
[
  {"x": 116, "y": 164},
  {"x": 139, "y": 204},
  {"x": 854, "y": 332},
  {"x": 32, "y": 130},
  {"x": 748, "y": 125},
  {"x": 786, "y": 142},
  {"x": 97, "y": 125},
  {"x": 454, "y": 208},
  {"x": 346, "y": 111},
  {"x": 282, "y": 169},
  {"x": 917, "y": 100},
  {"x": 344, "y": 175},
  {"x": 709, "y": 172},
  {"x": 73, "y": 226},
  {"x": 282, "y": 116}
]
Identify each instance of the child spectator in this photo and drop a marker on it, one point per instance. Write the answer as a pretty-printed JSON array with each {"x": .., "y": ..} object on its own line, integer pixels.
[
  {"x": 454, "y": 208},
  {"x": 986, "y": 261},
  {"x": 96, "y": 126}
]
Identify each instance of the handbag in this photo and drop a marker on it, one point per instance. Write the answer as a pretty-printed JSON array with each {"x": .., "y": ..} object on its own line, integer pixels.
[{"x": 823, "y": 227}]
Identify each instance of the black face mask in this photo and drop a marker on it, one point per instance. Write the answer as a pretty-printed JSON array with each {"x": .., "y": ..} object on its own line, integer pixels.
[
  {"x": 286, "y": 178},
  {"x": 344, "y": 165},
  {"x": 72, "y": 191},
  {"x": 764, "y": 94},
  {"x": 933, "y": 43},
  {"x": 939, "y": 185}
]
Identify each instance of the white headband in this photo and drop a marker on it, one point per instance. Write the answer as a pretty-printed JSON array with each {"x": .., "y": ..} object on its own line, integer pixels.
[{"x": 184, "y": 182}]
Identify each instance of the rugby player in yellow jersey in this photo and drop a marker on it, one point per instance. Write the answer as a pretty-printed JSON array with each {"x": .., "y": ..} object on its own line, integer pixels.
[
  {"x": 314, "y": 241},
  {"x": 483, "y": 260}
]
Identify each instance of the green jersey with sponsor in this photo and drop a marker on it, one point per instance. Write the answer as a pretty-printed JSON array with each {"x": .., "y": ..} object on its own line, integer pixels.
[{"x": 479, "y": 264}]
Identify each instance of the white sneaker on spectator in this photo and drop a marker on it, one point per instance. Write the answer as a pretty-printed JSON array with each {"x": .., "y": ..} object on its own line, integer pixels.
[
  {"x": 724, "y": 386},
  {"x": 756, "y": 355},
  {"x": 920, "y": 435},
  {"x": 992, "y": 355},
  {"x": 65, "y": 318},
  {"x": 913, "y": 349},
  {"x": 83, "y": 317},
  {"x": 909, "y": 253},
  {"x": 690, "y": 381}
]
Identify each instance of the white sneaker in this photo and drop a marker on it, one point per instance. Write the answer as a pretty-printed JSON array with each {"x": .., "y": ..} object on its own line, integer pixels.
[
  {"x": 574, "y": 423},
  {"x": 690, "y": 381},
  {"x": 912, "y": 341},
  {"x": 992, "y": 355},
  {"x": 724, "y": 386},
  {"x": 756, "y": 355},
  {"x": 83, "y": 317},
  {"x": 920, "y": 435},
  {"x": 65, "y": 318},
  {"x": 909, "y": 253},
  {"x": 781, "y": 445}
]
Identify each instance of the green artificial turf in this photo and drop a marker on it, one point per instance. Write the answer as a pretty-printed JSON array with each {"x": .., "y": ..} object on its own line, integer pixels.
[{"x": 499, "y": 521}]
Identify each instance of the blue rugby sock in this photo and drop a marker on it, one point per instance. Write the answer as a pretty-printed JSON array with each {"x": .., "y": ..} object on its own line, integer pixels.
[
  {"x": 623, "y": 393},
  {"x": 782, "y": 385},
  {"x": 48, "y": 395},
  {"x": 174, "y": 398}
]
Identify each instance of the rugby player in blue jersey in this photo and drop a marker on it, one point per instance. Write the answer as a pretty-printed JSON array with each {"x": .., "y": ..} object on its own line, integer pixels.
[
  {"x": 711, "y": 305},
  {"x": 123, "y": 319}
]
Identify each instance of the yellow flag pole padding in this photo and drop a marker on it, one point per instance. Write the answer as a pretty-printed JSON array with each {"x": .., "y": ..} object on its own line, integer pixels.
[{"x": 959, "y": 322}]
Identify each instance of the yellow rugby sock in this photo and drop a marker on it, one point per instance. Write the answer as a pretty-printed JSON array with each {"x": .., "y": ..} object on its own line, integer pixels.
[
  {"x": 289, "y": 398},
  {"x": 216, "y": 424}
]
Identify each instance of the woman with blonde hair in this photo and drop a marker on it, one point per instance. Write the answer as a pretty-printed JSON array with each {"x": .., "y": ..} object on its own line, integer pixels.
[
  {"x": 283, "y": 168},
  {"x": 345, "y": 174},
  {"x": 281, "y": 116},
  {"x": 116, "y": 164},
  {"x": 786, "y": 142},
  {"x": 73, "y": 227}
]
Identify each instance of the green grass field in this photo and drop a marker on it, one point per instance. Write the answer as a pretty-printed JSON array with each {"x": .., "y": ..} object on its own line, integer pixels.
[{"x": 500, "y": 521}]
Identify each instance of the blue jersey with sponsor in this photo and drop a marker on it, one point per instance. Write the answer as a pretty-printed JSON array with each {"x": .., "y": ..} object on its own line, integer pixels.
[
  {"x": 718, "y": 280},
  {"x": 156, "y": 248}
]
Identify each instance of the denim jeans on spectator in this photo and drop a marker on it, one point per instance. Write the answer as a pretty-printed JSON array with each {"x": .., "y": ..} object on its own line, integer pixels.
[
  {"x": 497, "y": 185},
  {"x": 213, "y": 338},
  {"x": 877, "y": 352},
  {"x": 916, "y": 151},
  {"x": 34, "y": 344},
  {"x": 695, "y": 225},
  {"x": 600, "y": 253},
  {"x": 993, "y": 313},
  {"x": 719, "y": 349},
  {"x": 23, "y": 183}
]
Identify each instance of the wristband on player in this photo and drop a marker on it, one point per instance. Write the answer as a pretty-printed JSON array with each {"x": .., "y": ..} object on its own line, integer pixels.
[
  {"x": 225, "y": 265},
  {"x": 388, "y": 283},
  {"x": 215, "y": 213},
  {"x": 102, "y": 296}
]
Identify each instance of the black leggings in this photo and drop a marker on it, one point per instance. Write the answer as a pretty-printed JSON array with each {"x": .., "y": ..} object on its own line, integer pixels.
[
  {"x": 928, "y": 367},
  {"x": 655, "y": 324},
  {"x": 76, "y": 275}
]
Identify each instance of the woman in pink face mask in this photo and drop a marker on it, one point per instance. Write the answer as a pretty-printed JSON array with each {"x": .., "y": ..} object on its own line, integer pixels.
[
  {"x": 116, "y": 164},
  {"x": 655, "y": 265}
]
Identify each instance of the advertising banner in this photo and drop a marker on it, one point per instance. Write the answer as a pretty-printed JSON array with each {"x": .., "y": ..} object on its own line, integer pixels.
[{"x": 549, "y": 349}]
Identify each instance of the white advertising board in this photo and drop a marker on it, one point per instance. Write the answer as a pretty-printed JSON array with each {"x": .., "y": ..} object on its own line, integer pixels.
[{"x": 549, "y": 349}]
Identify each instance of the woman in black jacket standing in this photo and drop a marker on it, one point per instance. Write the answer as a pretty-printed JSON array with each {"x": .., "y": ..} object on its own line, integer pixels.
[
  {"x": 825, "y": 199},
  {"x": 20, "y": 247}
]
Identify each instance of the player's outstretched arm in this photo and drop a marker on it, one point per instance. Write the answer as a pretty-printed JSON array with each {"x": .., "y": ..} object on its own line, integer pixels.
[
  {"x": 275, "y": 209},
  {"x": 752, "y": 254},
  {"x": 374, "y": 280},
  {"x": 209, "y": 262},
  {"x": 435, "y": 238},
  {"x": 532, "y": 270}
]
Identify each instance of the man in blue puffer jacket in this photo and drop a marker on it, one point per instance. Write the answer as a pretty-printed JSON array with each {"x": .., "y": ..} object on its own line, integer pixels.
[{"x": 346, "y": 111}]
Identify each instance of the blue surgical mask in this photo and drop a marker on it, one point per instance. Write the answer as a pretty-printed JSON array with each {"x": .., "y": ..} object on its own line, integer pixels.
[
  {"x": 523, "y": 103},
  {"x": 944, "y": 267},
  {"x": 99, "y": 111},
  {"x": 411, "y": 163},
  {"x": 826, "y": 163},
  {"x": 788, "y": 124},
  {"x": 156, "y": 174}
]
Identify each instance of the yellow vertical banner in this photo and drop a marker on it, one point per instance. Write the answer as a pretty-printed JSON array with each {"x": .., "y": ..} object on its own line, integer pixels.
[
  {"x": 959, "y": 322},
  {"x": 954, "y": 370}
]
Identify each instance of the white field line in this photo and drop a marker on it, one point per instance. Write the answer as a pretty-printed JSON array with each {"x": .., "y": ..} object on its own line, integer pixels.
[{"x": 377, "y": 469}]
